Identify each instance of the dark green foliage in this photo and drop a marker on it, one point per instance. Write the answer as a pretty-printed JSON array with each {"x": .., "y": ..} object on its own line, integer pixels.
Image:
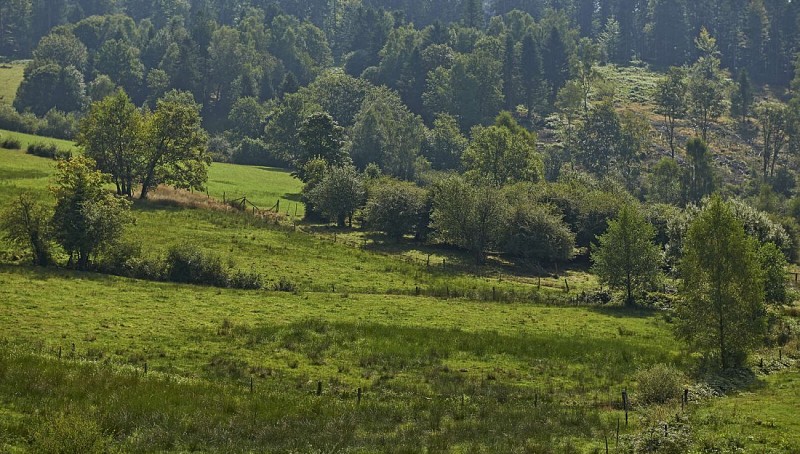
[
  {"x": 321, "y": 138},
  {"x": 773, "y": 264},
  {"x": 698, "y": 178},
  {"x": 45, "y": 150},
  {"x": 86, "y": 217},
  {"x": 742, "y": 97},
  {"x": 189, "y": 265},
  {"x": 664, "y": 182},
  {"x": 394, "y": 207},
  {"x": 339, "y": 193},
  {"x": 48, "y": 86},
  {"x": 536, "y": 234},
  {"x": 11, "y": 144}
]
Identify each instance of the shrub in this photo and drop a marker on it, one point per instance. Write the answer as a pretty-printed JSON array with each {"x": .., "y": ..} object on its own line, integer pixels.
[
  {"x": 11, "y": 143},
  {"x": 12, "y": 120},
  {"x": 659, "y": 384},
  {"x": 189, "y": 265},
  {"x": 245, "y": 280},
  {"x": 534, "y": 232},
  {"x": 59, "y": 124},
  {"x": 285, "y": 285},
  {"x": 394, "y": 207},
  {"x": 48, "y": 151}
]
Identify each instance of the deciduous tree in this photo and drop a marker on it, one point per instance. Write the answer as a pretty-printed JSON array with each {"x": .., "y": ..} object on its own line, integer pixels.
[
  {"x": 626, "y": 257},
  {"x": 721, "y": 309},
  {"x": 175, "y": 145}
]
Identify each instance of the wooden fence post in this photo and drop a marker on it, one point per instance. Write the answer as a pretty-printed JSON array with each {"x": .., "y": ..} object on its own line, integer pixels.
[
  {"x": 319, "y": 388},
  {"x": 625, "y": 404}
]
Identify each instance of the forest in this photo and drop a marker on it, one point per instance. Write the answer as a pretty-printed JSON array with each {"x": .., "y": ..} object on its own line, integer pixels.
[{"x": 319, "y": 188}]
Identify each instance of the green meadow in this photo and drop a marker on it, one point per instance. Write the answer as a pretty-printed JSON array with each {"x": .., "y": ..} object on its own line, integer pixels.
[
  {"x": 447, "y": 357},
  {"x": 10, "y": 79}
]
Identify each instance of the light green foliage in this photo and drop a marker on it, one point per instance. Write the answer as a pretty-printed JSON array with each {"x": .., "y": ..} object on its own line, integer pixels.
[
  {"x": 388, "y": 134},
  {"x": 86, "y": 217},
  {"x": 707, "y": 85},
  {"x": 394, "y": 207},
  {"x": 503, "y": 153},
  {"x": 26, "y": 223},
  {"x": 62, "y": 49},
  {"x": 773, "y": 264},
  {"x": 444, "y": 144},
  {"x": 659, "y": 384},
  {"x": 671, "y": 101},
  {"x": 664, "y": 182},
  {"x": 111, "y": 134},
  {"x": 721, "y": 310},
  {"x": 626, "y": 257},
  {"x": 339, "y": 94},
  {"x": 468, "y": 216},
  {"x": 339, "y": 194},
  {"x": 174, "y": 145}
]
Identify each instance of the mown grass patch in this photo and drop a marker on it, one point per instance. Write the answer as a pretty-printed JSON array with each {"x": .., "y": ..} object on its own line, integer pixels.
[
  {"x": 10, "y": 80},
  {"x": 261, "y": 186}
]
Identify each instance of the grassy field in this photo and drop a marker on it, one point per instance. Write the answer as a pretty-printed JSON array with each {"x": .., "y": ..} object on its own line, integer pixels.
[
  {"x": 413, "y": 357},
  {"x": 762, "y": 418},
  {"x": 261, "y": 186},
  {"x": 10, "y": 79},
  {"x": 27, "y": 139},
  {"x": 329, "y": 263},
  {"x": 441, "y": 366}
]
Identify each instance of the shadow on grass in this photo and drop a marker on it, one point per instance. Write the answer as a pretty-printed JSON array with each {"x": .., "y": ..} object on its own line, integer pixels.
[
  {"x": 393, "y": 348},
  {"x": 618, "y": 311}
]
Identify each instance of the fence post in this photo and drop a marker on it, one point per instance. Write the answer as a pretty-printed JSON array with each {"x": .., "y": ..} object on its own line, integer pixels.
[
  {"x": 319, "y": 388},
  {"x": 625, "y": 404},
  {"x": 359, "y": 396}
]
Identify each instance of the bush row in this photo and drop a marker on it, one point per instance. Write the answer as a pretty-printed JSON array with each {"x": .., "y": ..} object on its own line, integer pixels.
[
  {"x": 11, "y": 143},
  {"x": 51, "y": 151},
  {"x": 182, "y": 264},
  {"x": 54, "y": 124}
]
